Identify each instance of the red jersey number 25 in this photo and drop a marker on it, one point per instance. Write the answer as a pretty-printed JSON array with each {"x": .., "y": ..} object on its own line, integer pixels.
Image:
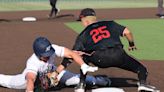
[{"x": 99, "y": 34}]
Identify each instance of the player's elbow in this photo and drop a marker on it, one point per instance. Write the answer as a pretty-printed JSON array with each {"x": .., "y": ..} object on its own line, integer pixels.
[{"x": 126, "y": 32}]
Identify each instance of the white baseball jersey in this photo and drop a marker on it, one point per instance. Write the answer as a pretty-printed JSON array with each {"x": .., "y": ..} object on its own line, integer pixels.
[{"x": 34, "y": 65}]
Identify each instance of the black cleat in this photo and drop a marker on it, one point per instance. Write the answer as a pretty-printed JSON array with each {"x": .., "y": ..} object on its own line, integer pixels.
[
  {"x": 160, "y": 15},
  {"x": 80, "y": 87},
  {"x": 146, "y": 88}
]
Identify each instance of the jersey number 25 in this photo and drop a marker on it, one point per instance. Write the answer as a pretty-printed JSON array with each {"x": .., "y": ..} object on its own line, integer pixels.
[{"x": 99, "y": 34}]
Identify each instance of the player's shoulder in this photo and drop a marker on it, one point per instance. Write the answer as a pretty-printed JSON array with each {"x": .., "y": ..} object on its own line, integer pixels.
[
  {"x": 33, "y": 58},
  {"x": 56, "y": 47},
  {"x": 32, "y": 61}
]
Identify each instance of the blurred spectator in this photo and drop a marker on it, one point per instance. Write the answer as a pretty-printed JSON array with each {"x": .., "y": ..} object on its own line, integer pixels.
[{"x": 160, "y": 9}]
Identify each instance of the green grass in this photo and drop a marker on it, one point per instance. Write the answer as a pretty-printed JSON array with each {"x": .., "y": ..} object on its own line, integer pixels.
[
  {"x": 13, "y": 5},
  {"x": 108, "y": 4},
  {"x": 22, "y": 6},
  {"x": 148, "y": 34}
]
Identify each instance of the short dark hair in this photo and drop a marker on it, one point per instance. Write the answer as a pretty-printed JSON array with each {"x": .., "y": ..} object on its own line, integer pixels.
[{"x": 86, "y": 12}]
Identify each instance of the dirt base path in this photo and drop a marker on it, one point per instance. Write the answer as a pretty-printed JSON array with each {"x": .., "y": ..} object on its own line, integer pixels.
[{"x": 16, "y": 39}]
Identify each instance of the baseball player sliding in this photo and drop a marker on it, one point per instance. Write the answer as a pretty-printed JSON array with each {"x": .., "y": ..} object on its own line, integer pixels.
[{"x": 42, "y": 64}]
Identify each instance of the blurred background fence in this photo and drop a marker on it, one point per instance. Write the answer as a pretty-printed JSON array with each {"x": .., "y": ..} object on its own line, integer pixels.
[{"x": 21, "y": 5}]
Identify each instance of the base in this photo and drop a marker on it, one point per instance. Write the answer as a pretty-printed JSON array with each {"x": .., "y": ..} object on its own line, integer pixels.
[{"x": 108, "y": 89}]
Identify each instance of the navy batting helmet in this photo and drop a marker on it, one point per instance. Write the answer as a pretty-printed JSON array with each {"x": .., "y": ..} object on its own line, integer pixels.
[{"x": 42, "y": 47}]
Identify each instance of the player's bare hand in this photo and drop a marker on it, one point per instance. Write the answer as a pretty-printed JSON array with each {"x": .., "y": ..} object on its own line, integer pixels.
[
  {"x": 83, "y": 53},
  {"x": 132, "y": 46},
  {"x": 48, "y": 75},
  {"x": 79, "y": 52}
]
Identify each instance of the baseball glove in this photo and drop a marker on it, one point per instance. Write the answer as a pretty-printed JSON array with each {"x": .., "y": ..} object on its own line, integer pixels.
[
  {"x": 53, "y": 78},
  {"x": 48, "y": 80}
]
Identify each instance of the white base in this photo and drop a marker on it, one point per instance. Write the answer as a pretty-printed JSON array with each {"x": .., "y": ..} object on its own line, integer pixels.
[
  {"x": 109, "y": 89},
  {"x": 79, "y": 90},
  {"x": 29, "y": 19}
]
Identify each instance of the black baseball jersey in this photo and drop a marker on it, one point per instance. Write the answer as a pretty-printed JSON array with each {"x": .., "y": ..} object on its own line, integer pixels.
[
  {"x": 99, "y": 35},
  {"x": 104, "y": 39}
]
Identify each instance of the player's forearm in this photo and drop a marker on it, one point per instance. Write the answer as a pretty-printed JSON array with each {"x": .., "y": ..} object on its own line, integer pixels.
[
  {"x": 130, "y": 39},
  {"x": 128, "y": 35},
  {"x": 30, "y": 86},
  {"x": 59, "y": 69},
  {"x": 77, "y": 58},
  {"x": 30, "y": 77}
]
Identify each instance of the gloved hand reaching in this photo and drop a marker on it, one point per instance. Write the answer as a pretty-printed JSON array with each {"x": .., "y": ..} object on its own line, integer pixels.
[{"x": 53, "y": 80}]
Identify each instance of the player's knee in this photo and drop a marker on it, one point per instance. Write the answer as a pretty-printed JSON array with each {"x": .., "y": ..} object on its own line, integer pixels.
[{"x": 72, "y": 81}]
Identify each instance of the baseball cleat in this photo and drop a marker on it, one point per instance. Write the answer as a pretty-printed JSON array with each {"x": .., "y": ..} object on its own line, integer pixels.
[
  {"x": 79, "y": 90},
  {"x": 162, "y": 17},
  {"x": 146, "y": 88},
  {"x": 80, "y": 87},
  {"x": 57, "y": 12}
]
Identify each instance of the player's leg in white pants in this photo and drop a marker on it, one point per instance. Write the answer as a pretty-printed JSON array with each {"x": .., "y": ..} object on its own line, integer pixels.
[
  {"x": 73, "y": 80},
  {"x": 13, "y": 81}
]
